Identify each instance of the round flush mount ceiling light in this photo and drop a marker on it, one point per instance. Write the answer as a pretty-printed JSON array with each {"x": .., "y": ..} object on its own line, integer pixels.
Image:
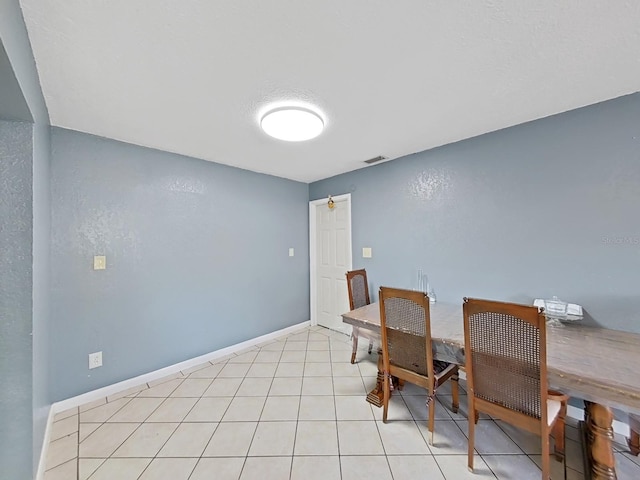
[{"x": 292, "y": 124}]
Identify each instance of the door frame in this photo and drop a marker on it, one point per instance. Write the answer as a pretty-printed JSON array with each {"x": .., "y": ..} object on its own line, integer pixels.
[{"x": 313, "y": 267}]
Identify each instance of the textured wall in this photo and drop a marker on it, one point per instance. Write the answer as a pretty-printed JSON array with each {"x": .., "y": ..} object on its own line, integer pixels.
[
  {"x": 12, "y": 103},
  {"x": 41, "y": 281},
  {"x": 15, "y": 300},
  {"x": 545, "y": 208},
  {"x": 18, "y": 50},
  {"x": 197, "y": 258}
]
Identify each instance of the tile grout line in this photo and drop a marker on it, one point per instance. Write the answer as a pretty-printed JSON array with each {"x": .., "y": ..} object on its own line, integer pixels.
[
  {"x": 261, "y": 412},
  {"x": 188, "y": 376},
  {"x": 332, "y": 354},
  {"x": 295, "y": 435},
  {"x": 335, "y": 409},
  {"x": 78, "y": 449}
]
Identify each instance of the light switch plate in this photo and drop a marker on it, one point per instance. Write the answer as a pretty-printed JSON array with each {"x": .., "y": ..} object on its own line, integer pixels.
[
  {"x": 291, "y": 252},
  {"x": 366, "y": 252},
  {"x": 99, "y": 262}
]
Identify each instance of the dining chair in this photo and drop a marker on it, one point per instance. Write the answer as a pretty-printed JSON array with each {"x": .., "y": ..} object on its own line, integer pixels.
[
  {"x": 407, "y": 352},
  {"x": 506, "y": 367},
  {"x": 358, "y": 288}
]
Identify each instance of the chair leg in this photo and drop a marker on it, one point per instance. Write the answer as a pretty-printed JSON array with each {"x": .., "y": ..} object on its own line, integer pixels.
[
  {"x": 455, "y": 403},
  {"x": 354, "y": 336},
  {"x": 634, "y": 442},
  {"x": 545, "y": 457},
  {"x": 386, "y": 394},
  {"x": 432, "y": 416},
  {"x": 472, "y": 431},
  {"x": 558, "y": 433},
  {"x": 370, "y": 346}
]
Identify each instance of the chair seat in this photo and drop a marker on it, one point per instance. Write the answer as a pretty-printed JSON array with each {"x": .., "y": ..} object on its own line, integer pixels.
[
  {"x": 555, "y": 402},
  {"x": 440, "y": 369},
  {"x": 440, "y": 366},
  {"x": 553, "y": 409}
]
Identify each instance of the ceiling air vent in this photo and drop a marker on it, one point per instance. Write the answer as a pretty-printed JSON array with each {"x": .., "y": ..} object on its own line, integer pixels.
[{"x": 379, "y": 158}]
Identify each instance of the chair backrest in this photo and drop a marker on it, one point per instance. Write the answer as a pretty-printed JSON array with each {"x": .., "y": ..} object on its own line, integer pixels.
[
  {"x": 505, "y": 349},
  {"x": 405, "y": 326},
  {"x": 358, "y": 288}
]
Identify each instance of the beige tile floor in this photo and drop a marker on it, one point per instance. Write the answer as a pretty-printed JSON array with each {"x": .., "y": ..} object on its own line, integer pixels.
[{"x": 292, "y": 408}]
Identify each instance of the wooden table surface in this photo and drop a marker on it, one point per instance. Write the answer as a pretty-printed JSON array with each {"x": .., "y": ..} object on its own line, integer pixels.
[
  {"x": 595, "y": 364},
  {"x": 598, "y": 365}
]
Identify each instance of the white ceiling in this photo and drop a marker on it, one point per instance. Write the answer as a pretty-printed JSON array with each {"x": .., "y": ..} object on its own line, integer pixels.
[{"x": 391, "y": 77}]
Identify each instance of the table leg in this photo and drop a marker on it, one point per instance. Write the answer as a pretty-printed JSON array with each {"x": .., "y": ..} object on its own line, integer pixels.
[
  {"x": 598, "y": 436},
  {"x": 376, "y": 395}
]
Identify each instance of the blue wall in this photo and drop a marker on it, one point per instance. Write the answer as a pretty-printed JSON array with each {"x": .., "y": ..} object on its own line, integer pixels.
[
  {"x": 26, "y": 87},
  {"x": 21, "y": 98},
  {"x": 13, "y": 105},
  {"x": 15, "y": 300},
  {"x": 41, "y": 282},
  {"x": 540, "y": 209},
  {"x": 197, "y": 258}
]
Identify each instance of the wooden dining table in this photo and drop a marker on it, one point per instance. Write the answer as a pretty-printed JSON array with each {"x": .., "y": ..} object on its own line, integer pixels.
[{"x": 599, "y": 365}]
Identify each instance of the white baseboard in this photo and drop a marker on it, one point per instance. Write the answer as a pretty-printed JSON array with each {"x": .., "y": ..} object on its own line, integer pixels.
[
  {"x": 170, "y": 370},
  {"x": 116, "y": 388}
]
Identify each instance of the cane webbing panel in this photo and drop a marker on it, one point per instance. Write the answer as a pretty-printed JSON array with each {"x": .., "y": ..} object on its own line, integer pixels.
[
  {"x": 358, "y": 291},
  {"x": 405, "y": 323},
  {"x": 505, "y": 355}
]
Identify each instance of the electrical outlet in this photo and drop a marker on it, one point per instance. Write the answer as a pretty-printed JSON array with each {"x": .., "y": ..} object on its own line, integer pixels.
[
  {"x": 95, "y": 360},
  {"x": 291, "y": 252}
]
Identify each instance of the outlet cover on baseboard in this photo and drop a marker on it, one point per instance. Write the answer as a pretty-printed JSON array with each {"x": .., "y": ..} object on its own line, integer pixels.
[{"x": 95, "y": 360}]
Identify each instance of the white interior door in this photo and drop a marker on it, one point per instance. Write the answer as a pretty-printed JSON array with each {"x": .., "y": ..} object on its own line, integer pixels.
[{"x": 333, "y": 260}]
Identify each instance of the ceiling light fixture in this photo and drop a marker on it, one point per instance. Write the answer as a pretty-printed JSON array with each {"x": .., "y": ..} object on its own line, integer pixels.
[{"x": 292, "y": 124}]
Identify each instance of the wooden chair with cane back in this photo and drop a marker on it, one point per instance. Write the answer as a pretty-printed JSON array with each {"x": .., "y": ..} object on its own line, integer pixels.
[
  {"x": 358, "y": 289},
  {"x": 407, "y": 352},
  {"x": 506, "y": 367}
]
